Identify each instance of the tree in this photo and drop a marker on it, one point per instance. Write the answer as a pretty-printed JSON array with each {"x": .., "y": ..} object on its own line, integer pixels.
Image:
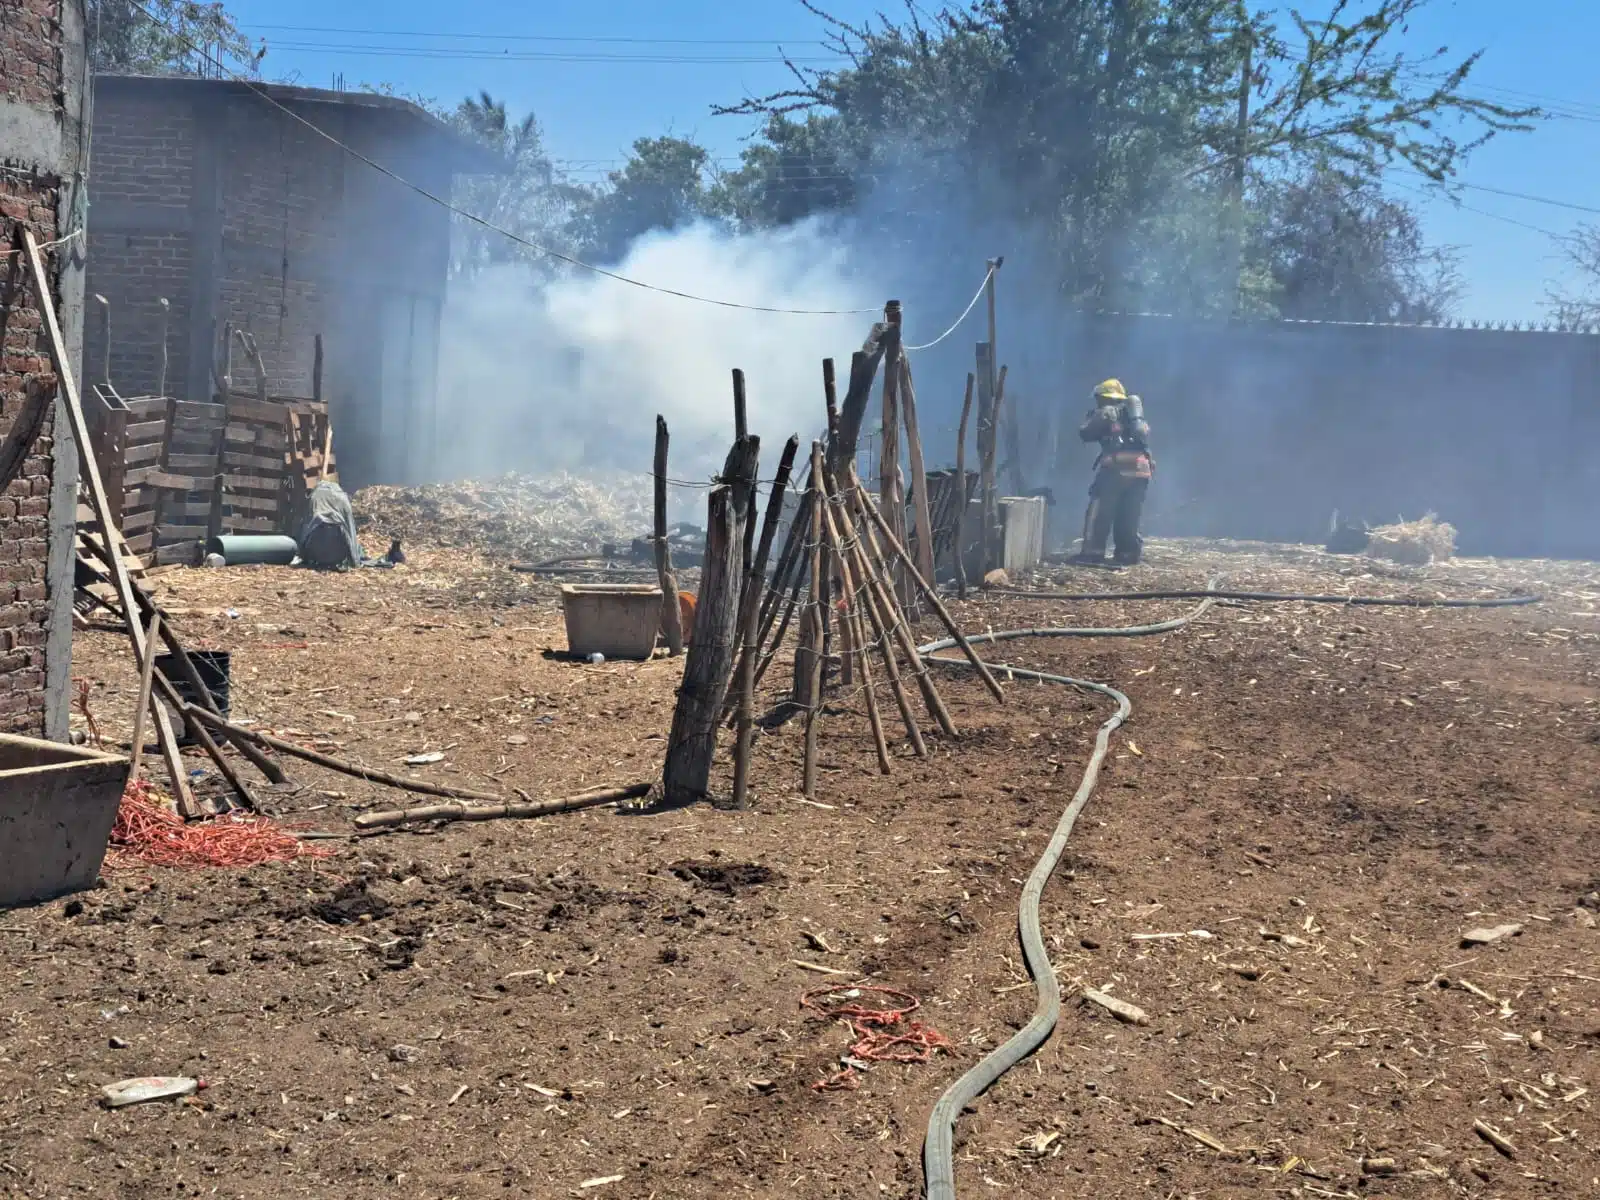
[
  {"x": 174, "y": 37},
  {"x": 1123, "y": 132},
  {"x": 1580, "y": 307},
  {"x": 1325, "y": 250},
  {"x": 531, "y": 198},
  {"x": 797, "y": 169},
  {"x": 666, "y": 183}
]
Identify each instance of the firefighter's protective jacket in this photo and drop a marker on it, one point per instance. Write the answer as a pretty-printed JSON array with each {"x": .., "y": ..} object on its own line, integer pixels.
[{"x": 1121, "y": 453}]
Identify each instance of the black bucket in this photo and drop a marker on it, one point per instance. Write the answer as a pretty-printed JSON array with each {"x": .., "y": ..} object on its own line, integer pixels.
[{"x": 212, "y": 667}]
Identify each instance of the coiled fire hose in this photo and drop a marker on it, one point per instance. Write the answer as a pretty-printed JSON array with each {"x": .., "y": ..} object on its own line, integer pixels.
[{"x": 938, "y": 1162}]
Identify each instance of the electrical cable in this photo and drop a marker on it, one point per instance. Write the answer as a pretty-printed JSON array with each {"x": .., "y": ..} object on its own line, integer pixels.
[
  {"x": 938, "y": 1147},
  {"x": 473, "y": 217},
  {"x": 965, "y": 313}
]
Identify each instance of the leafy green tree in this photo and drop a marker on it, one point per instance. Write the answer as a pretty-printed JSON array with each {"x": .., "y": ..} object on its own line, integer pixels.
[
  {"x": 126, "y": 39},
  {"x": 667, "y": 183},
  {"x": 1133, "y": 137},
  {"x": 1580, "y": 305},
  {"x": 1326, "y": 250},
  {"x": 530, "y": 198}
]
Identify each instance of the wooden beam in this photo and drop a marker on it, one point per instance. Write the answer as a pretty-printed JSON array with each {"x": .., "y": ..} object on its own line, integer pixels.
[{"x": 187, "y": 806}]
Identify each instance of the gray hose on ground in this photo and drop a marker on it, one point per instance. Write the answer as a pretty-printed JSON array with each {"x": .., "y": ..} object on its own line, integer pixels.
[
  {"x": 1367, "y": 601},
  {"x": 938, "y": 1163}
]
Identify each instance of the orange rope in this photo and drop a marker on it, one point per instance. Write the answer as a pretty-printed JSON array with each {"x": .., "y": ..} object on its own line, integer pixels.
[
  {"x": 882, "y": 1034},
  {"x": 148, "y": 832}
]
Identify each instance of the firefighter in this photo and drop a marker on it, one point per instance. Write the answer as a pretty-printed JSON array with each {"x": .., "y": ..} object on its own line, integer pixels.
[{"x": 1122, "y": 475}]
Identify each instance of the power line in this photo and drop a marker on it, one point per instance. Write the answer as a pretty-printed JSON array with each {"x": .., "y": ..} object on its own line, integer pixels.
[
  {"x": 473, "y": 217},
  {"x": 1484, "y": 212},
  {"x": 1483, "y": 187},
  {"x": 486, "y": 55},
  {"x": 545, "y": 37}
]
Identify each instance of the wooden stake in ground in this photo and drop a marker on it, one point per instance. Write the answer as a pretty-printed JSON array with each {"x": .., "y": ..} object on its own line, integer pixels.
[
  {"x": 692, "y": 743},
  {"x": 813, "y": 667},
  {"x": 671, "y": 617},
  {"x": 872, "y": 605},
  {"x": 919, "y": 476},
  {"x": 750, "y": 609},
  {"x": 493, "y": 812},
  {"x": 756, "y": 575},
  {"x": 878, "y": 575},
  {"x": 102, "y": 511},
  {"x": 933, "y": 600},
  {"x": 890, "y": 495},
  {"x": 961, "y": 493},
  {"x": 986, "y": 435},
  {"x": 146, "y": 672},
  {"x": 847, "y": 619}
]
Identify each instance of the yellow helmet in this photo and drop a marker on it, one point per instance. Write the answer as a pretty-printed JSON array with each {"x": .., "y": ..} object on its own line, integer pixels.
[{"x": 1110, "y": 390}]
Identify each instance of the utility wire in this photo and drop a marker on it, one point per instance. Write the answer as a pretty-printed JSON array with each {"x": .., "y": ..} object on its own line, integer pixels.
[
  {"x": 473, "y": 217},
  {"x": 964, "y": 314}
]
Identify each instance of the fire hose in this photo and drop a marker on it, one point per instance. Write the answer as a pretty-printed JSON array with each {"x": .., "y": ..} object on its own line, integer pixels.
[{"x": 938, "y": 1148}]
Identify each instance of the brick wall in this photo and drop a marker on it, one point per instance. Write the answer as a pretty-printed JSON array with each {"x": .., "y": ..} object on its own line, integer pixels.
[
  {"x": 282, "y": 216},
  {"x": 31, "y": 75},
  {"x": 139, "y": 247}
]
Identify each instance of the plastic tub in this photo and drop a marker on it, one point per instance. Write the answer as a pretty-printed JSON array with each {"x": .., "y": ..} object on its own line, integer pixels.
[{"x": 618, "y": 620}]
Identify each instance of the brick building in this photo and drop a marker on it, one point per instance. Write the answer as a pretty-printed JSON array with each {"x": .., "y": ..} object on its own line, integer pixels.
[
  {"x": 43, "y": 156},
  {"x": 207, "y": 193}
]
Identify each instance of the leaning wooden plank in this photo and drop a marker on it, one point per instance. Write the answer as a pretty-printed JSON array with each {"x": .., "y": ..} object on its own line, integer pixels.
[
  {"x": 250, "y": 409},
  {"x": 242, "y": 500},
  {"x": 235, "y": 733},
  {"x": 232, "y": 459},
  {"x": 492, "y": 812},
  {"x": 178, "y": 483},
  {"x": 102, "y": 508},
  {"x": 893, "y": 546}
]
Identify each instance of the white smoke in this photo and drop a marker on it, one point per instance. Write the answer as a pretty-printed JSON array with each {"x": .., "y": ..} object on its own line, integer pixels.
[{"x": 570, "y": 374}]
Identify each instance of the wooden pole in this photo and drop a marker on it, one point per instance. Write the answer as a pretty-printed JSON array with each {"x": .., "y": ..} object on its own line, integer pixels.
[
  {"x": 201, "y": 735},
  {"x": 191, "y": 674},
  {"x": 830, "y": 398},
  {"x": 316, "y": 374},
  {"x": 235, "y": 733},
  {"x": 102, "y": 511},
  {"x": 750, "y": 606},
  {"x": 992, "y": 521},
  {"x": 890, "y": 495},
  {"x": 161, "y": 358},
  {"x": 105, "y": 338},
  {"x": 961, "y": 494},
  {"x": 986, "y": 437},
  {"x": 1005, "y": 422},
  {"x": 847, "y": 620},
  {"x": 146, "y": 671},
  {"x": 919, "y": 476},
  {"x": 933, "y": 600},
  {"x": 756, "y": 574},
  {"x": 808, "y": 783},
  {"x": 671, "y": 614},
  {"x": 494, "y": 812},
  {"x": 878, "y": 576},
  {"x": 692, "y": 742},
  {"x": 871, "y": 605},
  {"x": 741, "y": 418}
]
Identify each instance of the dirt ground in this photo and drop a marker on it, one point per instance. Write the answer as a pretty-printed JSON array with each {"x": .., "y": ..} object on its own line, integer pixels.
[{"x": 1320, "y": 800}]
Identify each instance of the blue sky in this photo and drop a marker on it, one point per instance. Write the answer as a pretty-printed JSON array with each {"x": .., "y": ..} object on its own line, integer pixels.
[{"x": 584, "y": 69}]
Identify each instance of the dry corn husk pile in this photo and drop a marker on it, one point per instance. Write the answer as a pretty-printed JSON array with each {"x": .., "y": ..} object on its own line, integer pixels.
[
  {"x": 515, "y": 517},
  {"x": 1417, "y": 543}
]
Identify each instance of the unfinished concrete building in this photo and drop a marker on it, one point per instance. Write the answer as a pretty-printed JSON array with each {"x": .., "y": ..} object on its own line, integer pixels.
[
  {"x": 43, "y": 157},
  {"x": 223, "y": 199}
]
